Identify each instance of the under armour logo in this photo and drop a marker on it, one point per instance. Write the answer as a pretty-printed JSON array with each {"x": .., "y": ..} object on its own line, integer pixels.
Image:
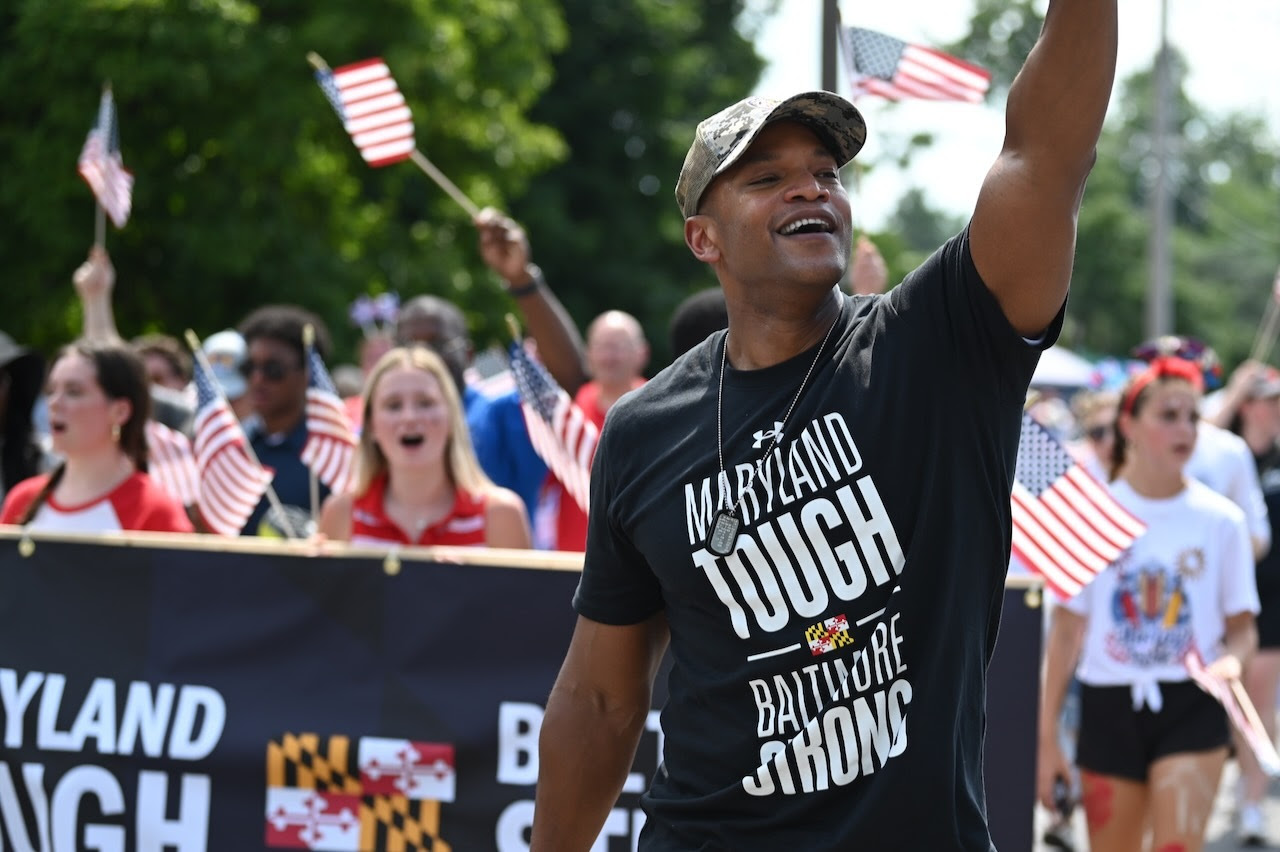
[{"x": 773, "y": 434}]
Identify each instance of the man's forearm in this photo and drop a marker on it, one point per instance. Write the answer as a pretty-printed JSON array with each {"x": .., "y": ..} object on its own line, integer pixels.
[
  {"x": 559, "y": 344},
  {"x": 1058, "y": 101},
  {"x": 584, "y": 755}
]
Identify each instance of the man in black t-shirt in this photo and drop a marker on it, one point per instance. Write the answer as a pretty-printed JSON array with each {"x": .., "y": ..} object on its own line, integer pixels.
[{"x": 812, "y": 509}]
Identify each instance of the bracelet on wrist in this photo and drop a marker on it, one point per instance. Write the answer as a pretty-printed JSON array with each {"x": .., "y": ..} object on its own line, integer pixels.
[{"x": 528, "y": 288}]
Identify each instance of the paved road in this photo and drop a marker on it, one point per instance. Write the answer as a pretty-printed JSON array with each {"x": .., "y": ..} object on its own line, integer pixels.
[{"x": 1221, "y": 836}]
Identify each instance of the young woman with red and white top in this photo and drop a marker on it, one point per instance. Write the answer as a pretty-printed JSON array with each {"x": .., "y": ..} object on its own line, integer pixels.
[
  {"x": 417, "y": 478},
  {"x": 98, "y": 401},
  {"x": 1152, "y": 744}
]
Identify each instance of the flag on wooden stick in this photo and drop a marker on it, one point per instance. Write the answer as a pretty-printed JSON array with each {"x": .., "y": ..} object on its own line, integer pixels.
[
  {"x": 1240, "y": 710},
  {"x": 883, "y": 65},
  {"x": 372, "y": 109},
  {"x": 331, "y": 441},
  {"x": 232, "y": 481},
  {"x": 171, "y": 462},
  {"x": 560, "y": 432},
  {"x": 1066, "y": 525},
  {"x": 101, "y": 165}
]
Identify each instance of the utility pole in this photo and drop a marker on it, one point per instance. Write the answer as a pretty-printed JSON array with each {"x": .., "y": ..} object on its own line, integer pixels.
[
  {"x": 1160, "y": 317},
  {"x": 830, "y": 46}
]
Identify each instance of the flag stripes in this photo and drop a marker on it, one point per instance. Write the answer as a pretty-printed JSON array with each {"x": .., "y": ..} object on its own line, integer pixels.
[
  {"x": 1066, "y": 526},
  {"x": 561, "y": 434},
  {"x": 372, "y": 109},
  {"x": 102, "y": 167},
  {"x": 231, "y": 480},
  {"x": 171, "y": 462},
  {"x": 882, "y": 65},
  {"x": 331, "y": 441}
]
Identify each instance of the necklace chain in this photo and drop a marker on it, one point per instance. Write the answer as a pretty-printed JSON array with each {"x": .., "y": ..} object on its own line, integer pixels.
[{"x": 777, "y": 433}]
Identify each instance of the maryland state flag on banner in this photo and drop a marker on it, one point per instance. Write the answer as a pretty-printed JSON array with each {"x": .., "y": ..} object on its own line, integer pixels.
[{"x": 388, "y": 797}]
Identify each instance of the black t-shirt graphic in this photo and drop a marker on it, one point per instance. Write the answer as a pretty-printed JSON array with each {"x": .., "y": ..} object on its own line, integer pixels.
[{"x": 829, "y": 676}]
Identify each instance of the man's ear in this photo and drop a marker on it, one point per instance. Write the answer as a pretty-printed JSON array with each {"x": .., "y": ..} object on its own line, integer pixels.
[{"x": 700, "y": 236}]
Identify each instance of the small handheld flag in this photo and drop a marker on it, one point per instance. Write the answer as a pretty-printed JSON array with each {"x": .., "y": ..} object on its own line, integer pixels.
[
  {"x": 101, "y": 165},
  {"x": 367, "y": 99},
  {"x": 893, "y": 69},
  {"x": 560, "y": 432},
  {"x": 231, "y": 479},
  {"x": 1240, "y": 711},
  {"x": 1066, "y": 525},
  {"x": 171, "y": 462},
  {"x": 372, "y": 109},
  {"x": 331, "y": 442}
]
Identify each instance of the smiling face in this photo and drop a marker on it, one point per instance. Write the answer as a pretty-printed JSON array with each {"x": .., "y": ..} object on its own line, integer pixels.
[
  {"x": 779, "y": 215},
  {"x": 81, "y": 416},
  {"x": 409, "y": 418}
]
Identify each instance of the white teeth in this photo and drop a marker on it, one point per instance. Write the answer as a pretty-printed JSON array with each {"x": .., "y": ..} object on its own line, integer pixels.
[{"x": 797, "y": 225}]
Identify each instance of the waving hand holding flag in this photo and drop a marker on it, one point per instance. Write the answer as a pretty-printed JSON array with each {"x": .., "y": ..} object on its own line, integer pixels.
[
  {"x": 1066, "y": 525},
  {"x": 331, "y": 442}
]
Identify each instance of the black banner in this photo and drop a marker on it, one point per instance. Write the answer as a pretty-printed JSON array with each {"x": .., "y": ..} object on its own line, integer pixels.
[{"x": 164, "y": 698}]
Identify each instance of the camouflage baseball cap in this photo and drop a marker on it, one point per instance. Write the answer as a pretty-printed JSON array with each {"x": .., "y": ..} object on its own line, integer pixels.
[{"x": 720, "y": 140}]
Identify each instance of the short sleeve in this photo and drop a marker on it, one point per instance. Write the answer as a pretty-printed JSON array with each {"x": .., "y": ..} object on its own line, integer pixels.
[
  {"x": 20, "y": 497},
  {"x": 1239, "y": 588},
  {"x": 617, "y": 586}
]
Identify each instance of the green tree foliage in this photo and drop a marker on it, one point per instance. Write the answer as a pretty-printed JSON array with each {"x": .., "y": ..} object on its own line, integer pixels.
[
  {"x": 629, "y": 88},
  {"x": 247, "y": 188}
]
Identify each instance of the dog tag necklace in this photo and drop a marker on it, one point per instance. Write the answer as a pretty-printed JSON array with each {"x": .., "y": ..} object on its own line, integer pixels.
[{"x": 724, "y": 526}]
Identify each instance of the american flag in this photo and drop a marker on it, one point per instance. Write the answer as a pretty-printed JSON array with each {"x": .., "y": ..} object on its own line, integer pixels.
[
  {"x": 893, "y": 69},
  {"x": 331, "y": 442},
  {"x": 1066, "y": 525},
  {"x": 231, "y": 479},
  {"x": 171, "y": 462},
  {"x": 102, "y": 166},
  {"x": 366, "y": 98},
  {"x": 560, "y": 433},
  {"x": 1248, "y": 724}
]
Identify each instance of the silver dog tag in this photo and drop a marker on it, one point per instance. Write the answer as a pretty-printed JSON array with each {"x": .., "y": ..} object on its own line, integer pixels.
[{"x": 724, "y": 533}]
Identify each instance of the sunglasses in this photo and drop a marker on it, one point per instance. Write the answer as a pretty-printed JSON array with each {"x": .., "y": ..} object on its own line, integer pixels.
[{"x": 271, "y": 369}]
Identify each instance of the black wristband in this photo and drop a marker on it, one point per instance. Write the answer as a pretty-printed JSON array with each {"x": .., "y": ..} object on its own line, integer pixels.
[{"x": 535, "y": 281}]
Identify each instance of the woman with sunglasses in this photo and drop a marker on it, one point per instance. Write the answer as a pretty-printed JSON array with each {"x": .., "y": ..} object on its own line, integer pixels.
[
  {"x": 417, "y": 479},
  {"x": 98, "y": 401},
  {"x": 1152, "y": 744}
]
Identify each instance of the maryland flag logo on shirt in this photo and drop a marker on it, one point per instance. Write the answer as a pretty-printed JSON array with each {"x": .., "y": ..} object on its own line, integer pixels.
[
  {"x": 826, "y": 636},
  {"x": 388, "y": 798}
]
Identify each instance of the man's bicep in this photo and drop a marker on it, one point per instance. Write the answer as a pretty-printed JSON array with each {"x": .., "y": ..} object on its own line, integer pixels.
[
  {"x": 614, "y": 664},
  {"x": 1022, "y": 239}
]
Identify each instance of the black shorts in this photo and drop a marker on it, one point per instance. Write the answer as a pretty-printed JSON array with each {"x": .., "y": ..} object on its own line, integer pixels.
[{"x": 1117, "y": 740}]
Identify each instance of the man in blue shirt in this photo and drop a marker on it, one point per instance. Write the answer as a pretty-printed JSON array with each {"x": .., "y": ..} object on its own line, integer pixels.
[{"x": 275, "y": 368}]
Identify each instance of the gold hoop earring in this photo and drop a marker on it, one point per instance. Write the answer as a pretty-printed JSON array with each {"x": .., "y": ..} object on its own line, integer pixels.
[{"x": 115, "y": 432}]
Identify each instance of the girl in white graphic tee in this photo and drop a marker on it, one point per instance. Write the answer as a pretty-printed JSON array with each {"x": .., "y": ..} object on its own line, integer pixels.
[
  {"x": 98, "y": 406},
  {"x": 1152, "y": 745}
]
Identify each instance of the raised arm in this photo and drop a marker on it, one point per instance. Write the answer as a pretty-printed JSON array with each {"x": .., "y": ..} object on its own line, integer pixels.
[
  {"x": 94, "y": 281},
  {"x": 505, "y": 249},
  {"x": 593, "y": 722},
  {"x": 1023, "y": 232}
]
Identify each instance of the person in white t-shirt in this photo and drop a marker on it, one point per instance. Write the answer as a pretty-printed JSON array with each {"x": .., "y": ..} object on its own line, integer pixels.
[{"x": 1152, "y": 745}]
